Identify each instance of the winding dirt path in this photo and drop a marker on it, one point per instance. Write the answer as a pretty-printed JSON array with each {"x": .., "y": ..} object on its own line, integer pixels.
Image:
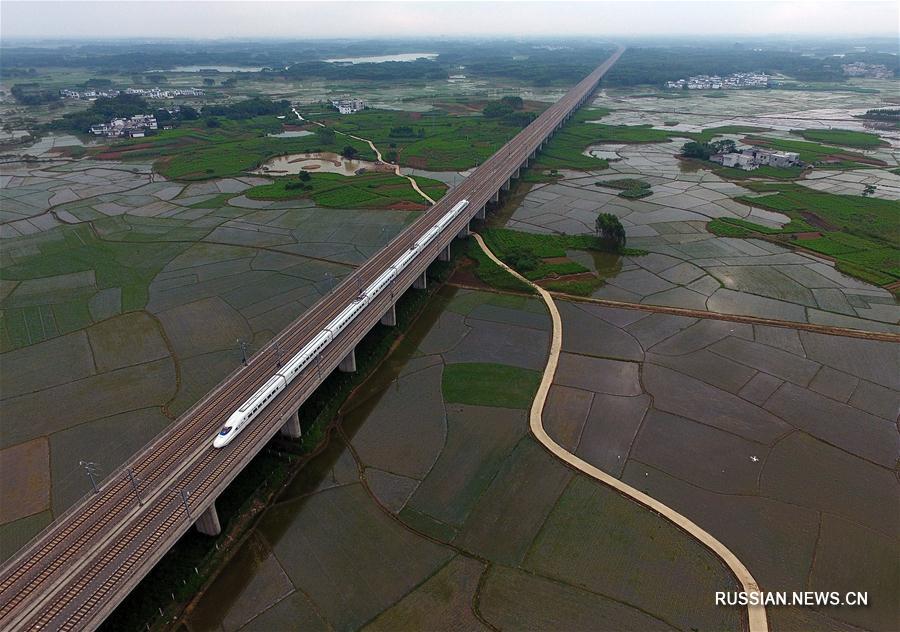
[
  {"x": 756, "y": 614},
  {"x": 412, "y": 181}
]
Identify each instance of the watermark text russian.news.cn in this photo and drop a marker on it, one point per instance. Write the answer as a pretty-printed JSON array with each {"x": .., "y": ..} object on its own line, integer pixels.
[{"x": 809, "y": 599}]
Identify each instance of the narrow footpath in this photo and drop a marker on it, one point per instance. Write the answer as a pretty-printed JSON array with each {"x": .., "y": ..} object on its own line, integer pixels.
[
  {"x": 756, "y": 614},
  {"x": 412, "y": 181}
]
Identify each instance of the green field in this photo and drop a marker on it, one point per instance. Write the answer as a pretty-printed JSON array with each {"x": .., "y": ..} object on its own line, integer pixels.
[
  {"x": 527, "y": 252},
  {"x": 575, "y": 287},
  {"x": 815, "y": 152},
  {"x": 543, "y": 258},
  {"x": 565, "y": 149},
  {"x": 488, "y": 384},
  {"x": 708, "y": 134},
  {"x": 435, "y": 140},
  {"x": 368, "y": 190},
  {"x": 630, "y": 188},
  {"x": 195, "y": 152},
  {"x": 503, "y": 241},
  {"x": 128, "y": 257},
  {"x": 861, "y": 233},
  {"x": 764, "y": 171},
  {"x": 864, "y": 216},
  {"x": 843, "y": 137},
  {"x": 493, "y": 275}
]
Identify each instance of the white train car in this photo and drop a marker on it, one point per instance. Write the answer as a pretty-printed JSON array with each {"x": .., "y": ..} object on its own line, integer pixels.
[{"x": 250, "y": 409}]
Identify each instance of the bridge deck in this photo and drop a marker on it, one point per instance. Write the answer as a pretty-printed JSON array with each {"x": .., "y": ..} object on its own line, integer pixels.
[{"x": 73, "y": 574}]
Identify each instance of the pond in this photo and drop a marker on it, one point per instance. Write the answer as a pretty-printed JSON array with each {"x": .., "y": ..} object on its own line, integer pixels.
[
  {"x": 604, "y": 151},
  {"x": 291, "y": 134},
  {"x": 322, "y": 162}
]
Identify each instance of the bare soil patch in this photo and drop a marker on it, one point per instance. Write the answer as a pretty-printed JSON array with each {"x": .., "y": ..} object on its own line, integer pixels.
[{"x": 24, "y": 479}]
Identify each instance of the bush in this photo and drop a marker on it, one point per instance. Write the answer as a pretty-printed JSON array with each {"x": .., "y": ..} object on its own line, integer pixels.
[
  {"x": 521, "y": 259},
  {"x": 610, "y": 230},
  {"x": 693, "y": 149},
  {"x": 325, "y": 135},
  {"x": 514, "y": 102}
]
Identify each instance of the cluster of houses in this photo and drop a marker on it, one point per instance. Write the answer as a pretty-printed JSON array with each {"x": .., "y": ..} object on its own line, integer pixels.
[
  {"x": 348, "y": 105},
  {"x": 873, "y": 71},
  {"x": 149, "y": 93},
  {"x": 715, "y": 82},
  {"x": 134, "y": 127},
  {"x": 750, "y": 159}
]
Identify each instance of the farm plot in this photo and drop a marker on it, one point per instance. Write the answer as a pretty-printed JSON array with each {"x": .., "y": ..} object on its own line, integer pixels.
[
  {"x": 757, "y": 434},
  {"x": 689, "y": 267},
  {"x": 425, "y": 473},
  {"x": 164, "y": 278}
]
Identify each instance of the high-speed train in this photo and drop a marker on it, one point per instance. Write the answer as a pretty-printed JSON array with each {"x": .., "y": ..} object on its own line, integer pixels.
[{"x": 248, "y": 411}]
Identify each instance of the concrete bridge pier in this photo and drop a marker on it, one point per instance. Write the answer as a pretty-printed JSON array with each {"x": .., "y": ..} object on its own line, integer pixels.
[
  {"x": 444, "y": 255},
  {"x": 348, "y": 364},
  {"x": 464, "y": 232},
  {"x": 208, "y": 522},
  {"x": 517, "y": 173},
  {"x": 390, "y": 317},
  {"x": 291, "y": 427},
  {"x": 505, "y": 186},
  {"x": 496, "y": 197},
  {"x": 421, "y": 282},
  {"x": 481, "y": 213}
]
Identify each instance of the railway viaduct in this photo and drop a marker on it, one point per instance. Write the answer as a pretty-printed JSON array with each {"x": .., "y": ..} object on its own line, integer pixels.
[{"x": 75, "y": 572}]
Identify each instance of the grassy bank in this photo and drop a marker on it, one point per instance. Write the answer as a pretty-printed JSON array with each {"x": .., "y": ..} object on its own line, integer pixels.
[
  {"x": 860, "y": 233},
  {"x": 816, "y": 153},
  {"x": 843, "y": 137},
  {"x": 333, "y": 190},
  {"x": 193, "y": 151},
  {"x": 436, "y": 140}
]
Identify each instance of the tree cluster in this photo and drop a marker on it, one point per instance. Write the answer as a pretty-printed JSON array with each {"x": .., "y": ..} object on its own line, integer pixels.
[
  {"x": 325, "y": 135},
  {"x": 505, "y": 112},
  {"x": 405, "y": 131},
  {"x": 101, "y": 111},
  {"x": 702, "y": 151},
  {"x": 249, "y": 108},
  {"x": 882, "y": 114},
  {"x": 610, "y": 231},
  {"x": 33, "y": 94}
]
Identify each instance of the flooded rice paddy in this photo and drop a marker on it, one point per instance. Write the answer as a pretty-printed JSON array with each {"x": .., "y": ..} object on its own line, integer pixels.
[{"x": 321, "y": 162}]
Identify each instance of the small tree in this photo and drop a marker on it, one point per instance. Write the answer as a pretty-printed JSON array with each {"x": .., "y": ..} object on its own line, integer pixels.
[
  {"x": 723, "y": 146},
  {"x": 694, "y": 149},
  {"x": 610, "y": 230},
  {"x": 325, "y": 135},
  {"x": 514, "y": 102},
  {"x": 349, "y": 152}
]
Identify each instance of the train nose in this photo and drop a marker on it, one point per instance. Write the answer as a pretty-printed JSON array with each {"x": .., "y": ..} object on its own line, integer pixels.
[{"x": 220, "y": 442}]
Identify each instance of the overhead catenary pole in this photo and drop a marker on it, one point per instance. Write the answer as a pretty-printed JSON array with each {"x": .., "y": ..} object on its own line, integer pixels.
[
  {"x": 184, "y": 500},
  {"x": 243, "y": 346},
  {"x": 134, "y": 485},
  {"x": 89, "y": 467}
]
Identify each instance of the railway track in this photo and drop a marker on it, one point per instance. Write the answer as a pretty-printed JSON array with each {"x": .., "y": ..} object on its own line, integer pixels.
[{"x": 79, "y": 568}]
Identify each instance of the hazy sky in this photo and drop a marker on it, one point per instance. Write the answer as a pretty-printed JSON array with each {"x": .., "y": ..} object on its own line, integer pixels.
[{"x": 302, "y": 20}]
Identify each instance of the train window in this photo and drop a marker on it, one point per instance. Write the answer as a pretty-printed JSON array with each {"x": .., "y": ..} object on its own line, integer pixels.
[{"x": 225, "y": 430}]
